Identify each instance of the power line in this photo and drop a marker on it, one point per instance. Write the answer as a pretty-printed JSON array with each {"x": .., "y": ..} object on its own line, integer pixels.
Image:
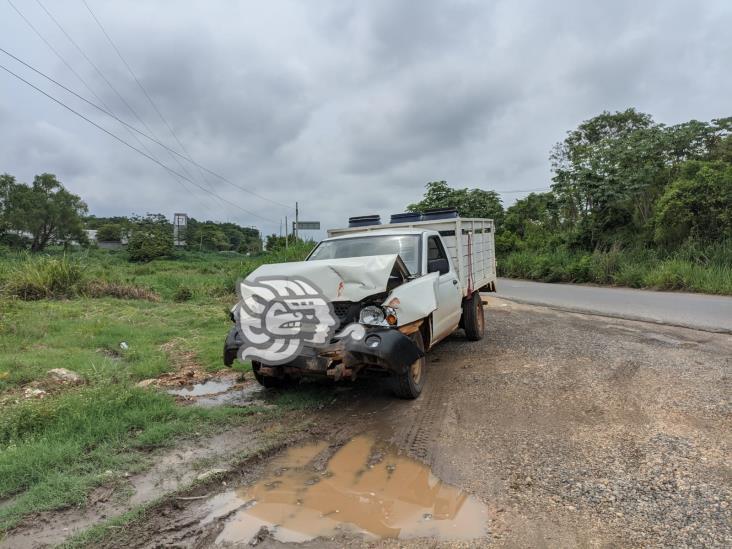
[
  {"x": 108, "y": 112},
  {"x": 85, "y": 84},
  {"x": 126, "y": 143},
  {"x": 139, "y": 84},
  {"x": 187, "y": 156},
  {"x": 104, "y": 77},
  {"x": 76, "y": 74}
]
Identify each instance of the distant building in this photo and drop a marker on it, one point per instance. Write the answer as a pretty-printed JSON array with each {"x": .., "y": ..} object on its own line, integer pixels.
[
  {"x": 91, "y": 234},
  {"x": 180, "y": 224}
]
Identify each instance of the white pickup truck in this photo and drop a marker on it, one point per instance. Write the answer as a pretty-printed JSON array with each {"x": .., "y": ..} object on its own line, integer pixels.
[{"x": 405, "y": 286}]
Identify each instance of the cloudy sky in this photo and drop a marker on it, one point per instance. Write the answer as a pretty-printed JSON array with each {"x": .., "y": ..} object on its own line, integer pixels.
[{"x": 348, "y": 107}]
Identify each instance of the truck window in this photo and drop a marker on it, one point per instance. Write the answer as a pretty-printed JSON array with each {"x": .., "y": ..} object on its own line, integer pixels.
[
  {"x": 407, "y": 246},
  {"x": 435, "y": 249}
]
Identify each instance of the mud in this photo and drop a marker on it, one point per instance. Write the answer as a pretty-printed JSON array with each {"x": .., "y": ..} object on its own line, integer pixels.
[{"x": 364, "y": 489}]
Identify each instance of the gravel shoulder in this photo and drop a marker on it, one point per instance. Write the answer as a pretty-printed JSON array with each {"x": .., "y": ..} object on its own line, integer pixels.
[{"x": 573, "y": 430}]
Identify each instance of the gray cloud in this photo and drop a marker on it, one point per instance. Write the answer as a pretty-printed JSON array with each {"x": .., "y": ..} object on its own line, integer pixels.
[{"x": 348, "y": 107}]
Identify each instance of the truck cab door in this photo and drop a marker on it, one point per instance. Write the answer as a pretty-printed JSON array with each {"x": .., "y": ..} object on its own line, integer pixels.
[{"x": 449, "y": 293}]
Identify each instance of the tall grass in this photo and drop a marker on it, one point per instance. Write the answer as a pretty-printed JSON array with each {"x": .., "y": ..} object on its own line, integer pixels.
[
  {"x": 189, "y": 276},
  {"x": 693, "y": 267},
  {"x": 44, "y": 277}
]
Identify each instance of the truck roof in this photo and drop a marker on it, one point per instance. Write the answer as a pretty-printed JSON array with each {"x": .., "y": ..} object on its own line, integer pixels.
[{"x": 379, "y": 232}]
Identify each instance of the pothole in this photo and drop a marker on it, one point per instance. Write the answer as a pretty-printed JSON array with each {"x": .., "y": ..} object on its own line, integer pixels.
[{"x": 392, "y": 497}]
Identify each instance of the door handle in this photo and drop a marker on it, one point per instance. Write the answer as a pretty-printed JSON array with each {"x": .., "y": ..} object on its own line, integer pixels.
[{"x": 454, "y": 281}]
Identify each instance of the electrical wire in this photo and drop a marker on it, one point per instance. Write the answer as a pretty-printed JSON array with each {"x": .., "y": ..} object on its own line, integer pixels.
[
  {"x": 79, "y": 77},
  {"x": 126, "y": 143},
  {"x": 126, "y": 124},
  {"x": 139, "y": 84},
  {"x": 106, "y": 80},
  {"x": 172, "y": 132}
]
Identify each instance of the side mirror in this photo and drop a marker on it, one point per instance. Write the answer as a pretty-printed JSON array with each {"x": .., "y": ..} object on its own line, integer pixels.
[{"x": 441, "y": 265}]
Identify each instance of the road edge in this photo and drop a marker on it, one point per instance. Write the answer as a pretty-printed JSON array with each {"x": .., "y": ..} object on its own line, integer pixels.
[{"x": 635, "y": 318}]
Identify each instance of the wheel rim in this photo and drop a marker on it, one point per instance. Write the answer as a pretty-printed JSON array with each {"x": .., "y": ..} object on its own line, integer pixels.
[
  {"x": 416, "y": 371},
  {"x": 479, "y": 316}
]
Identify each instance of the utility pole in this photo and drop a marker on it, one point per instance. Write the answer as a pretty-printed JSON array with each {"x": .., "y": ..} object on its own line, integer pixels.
[
  {"x": 286, "y": 231},
  {"x": 297, "y": 217}
]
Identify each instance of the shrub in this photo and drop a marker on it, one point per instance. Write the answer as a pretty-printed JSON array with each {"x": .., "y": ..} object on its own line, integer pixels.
[
  {"x": 111, "y": 232},
  {"x": 151, "y": 237},
  {"x": 102, "y": 288},
  {"x": 44, "y": 277},
  {"x": 183, "y": 293}
]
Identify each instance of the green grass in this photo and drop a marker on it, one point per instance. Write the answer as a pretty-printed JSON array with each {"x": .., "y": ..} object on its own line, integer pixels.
[
  {"x": 691, "y": 268},
  {"x": 84, "y": 335},
  {"x": 54, "y": 450}
]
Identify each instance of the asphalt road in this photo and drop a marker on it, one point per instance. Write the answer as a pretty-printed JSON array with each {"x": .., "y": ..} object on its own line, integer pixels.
[{"x": 705, "y": 312}]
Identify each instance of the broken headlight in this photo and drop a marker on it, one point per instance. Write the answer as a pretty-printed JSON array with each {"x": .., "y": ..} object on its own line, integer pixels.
[{"x": 373, "y": 315}]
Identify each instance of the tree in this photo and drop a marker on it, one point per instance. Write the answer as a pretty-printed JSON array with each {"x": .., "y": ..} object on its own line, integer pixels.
[
  {"x": 275, "y": 242},
  {"x": 697, "y": 205},
  {"x": 110, "y": 232},
  {"x": 611, "y": 170},
  {"x": 210, "y": 235},
  {"x": 46, "y": 210},
  {"x": 7, "y": 184},
  {"x": 468, "y": 202},
  {"x": 151, "y": 237}
]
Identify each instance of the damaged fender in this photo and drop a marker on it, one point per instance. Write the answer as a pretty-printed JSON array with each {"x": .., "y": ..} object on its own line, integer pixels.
[{"x": 415, "y": 299}]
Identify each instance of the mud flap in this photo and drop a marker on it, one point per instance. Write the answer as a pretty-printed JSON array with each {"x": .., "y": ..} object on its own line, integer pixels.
[
  {"x": 389, "y": 349},
  {"x": 231, "y": 346}
]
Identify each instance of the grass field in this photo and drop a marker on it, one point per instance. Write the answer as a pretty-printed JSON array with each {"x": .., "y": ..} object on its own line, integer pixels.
[{"x": 74, "y": 312}]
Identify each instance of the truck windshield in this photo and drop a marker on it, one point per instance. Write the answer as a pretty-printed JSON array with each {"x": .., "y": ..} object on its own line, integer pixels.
[{"x": 407, "y": 246}]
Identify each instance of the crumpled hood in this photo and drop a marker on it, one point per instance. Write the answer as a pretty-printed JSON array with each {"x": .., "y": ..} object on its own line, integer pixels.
[{"x": 346, "y": 279}]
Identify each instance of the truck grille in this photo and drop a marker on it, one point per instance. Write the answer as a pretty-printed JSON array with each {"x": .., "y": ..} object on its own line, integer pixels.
[{"x": 345, "y": 311}]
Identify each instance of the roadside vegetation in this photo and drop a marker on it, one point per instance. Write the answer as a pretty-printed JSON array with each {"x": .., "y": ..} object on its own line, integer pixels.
[
  {"x": 113, "y": 323},
  {"x": 632, "y": 203}
]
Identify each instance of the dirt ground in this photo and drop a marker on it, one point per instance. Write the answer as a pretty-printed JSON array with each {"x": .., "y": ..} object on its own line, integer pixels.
[{"x": 556, "y": 430}]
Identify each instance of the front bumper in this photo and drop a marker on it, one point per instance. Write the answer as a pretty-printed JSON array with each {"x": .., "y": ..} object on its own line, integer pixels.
[{"x": 383, "y": 348}]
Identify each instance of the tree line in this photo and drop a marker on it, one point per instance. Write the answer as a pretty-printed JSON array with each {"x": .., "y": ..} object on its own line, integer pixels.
[
  {"x": 45, "y": 213},
  {"x": 620, "y": 180}
]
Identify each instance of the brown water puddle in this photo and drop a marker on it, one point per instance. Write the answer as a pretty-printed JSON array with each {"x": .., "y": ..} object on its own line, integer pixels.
[
  {"x": 363, "y": 489},
  {"x": 209, "y": 387}
]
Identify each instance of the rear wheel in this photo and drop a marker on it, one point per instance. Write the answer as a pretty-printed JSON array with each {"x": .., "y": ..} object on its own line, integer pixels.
[
  {"x": 473, "y": 317},
  {"x": 269, "y": 382},
  {"x": 409, "y": 384}
]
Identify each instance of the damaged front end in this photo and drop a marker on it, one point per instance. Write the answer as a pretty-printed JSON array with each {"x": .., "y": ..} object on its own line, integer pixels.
[{"x": 376, "y": 332}]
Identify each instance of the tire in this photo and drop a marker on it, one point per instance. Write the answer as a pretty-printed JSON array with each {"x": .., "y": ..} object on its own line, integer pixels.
[
  {"x": 473, "y": 317},
  {"x": 269, "y": 382},
  {"x": 409, "y": 384}
]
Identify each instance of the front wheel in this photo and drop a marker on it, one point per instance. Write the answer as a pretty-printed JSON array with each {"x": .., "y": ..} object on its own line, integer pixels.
[
  {"x": 473, "y": 317},
  {"x": 409, "y": 384}
]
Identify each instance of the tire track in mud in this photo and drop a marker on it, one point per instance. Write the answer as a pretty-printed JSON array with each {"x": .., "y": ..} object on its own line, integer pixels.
[{"x": 420, "y": 422}]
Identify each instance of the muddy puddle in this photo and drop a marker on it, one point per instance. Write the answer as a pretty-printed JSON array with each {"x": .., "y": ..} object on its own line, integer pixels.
[
  {"x": 362, "y": 489},
  {"x": 210, "y": 387},
  {"x": 224, "y": 391}
]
